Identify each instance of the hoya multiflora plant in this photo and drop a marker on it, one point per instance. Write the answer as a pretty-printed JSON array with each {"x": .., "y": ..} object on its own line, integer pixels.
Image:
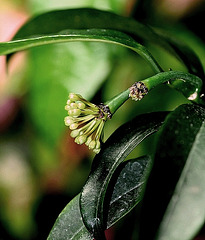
[{"x": 174, "y": 196}]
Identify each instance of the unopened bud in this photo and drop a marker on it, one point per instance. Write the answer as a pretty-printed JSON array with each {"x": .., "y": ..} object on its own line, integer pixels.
[
  {"x": 96, "y": 150},
  {"x": 67, "y": 107},
  {"x": 89, "y": 139},
  {"x": 68, "y": 121},
  {"x": 74, "y": 112},
  {"x": 74, "y": 97},
  {"x": 69, "y": 102},
  {"x": 73, "y": 105},
  {"x": 73, "y": 126},
  {"x": 97, "y": 144},
  {"x": 81, "y": 105},
  {"x": 81, "y": 139},
  {"x": 138, "y": 90},
  {"x": 74, "y": 133},
  {"x": 92, "y": 144}
]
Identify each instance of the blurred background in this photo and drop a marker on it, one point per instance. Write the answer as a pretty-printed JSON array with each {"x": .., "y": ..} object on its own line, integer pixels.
[{"x": 41, "y": 168}]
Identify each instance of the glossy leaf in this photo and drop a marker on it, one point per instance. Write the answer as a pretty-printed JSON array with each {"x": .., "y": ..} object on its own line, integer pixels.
[
  {"x": 125, "y": 194},
  {"x": 129, "y": 182},
  {"x": 176, "y": 186},
  {"x": 185, "y": 213},
  {"x": 98, "y": 35},
  {"x": 57, "y": 21},
  {"x": 69, "y": 224},
  {"x": 114, "y": 151}
]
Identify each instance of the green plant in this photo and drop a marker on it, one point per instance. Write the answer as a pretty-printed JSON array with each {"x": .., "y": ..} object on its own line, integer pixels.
[{"x": 171, "y": 179}]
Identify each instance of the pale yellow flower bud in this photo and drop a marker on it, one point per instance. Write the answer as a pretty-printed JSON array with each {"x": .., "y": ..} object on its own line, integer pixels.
[
  {"x": 92, "y": 144},
  {"x": 75, "y": 133},
  {"x": 68, "y": 121},
  {"x": 74, "y": 112},
  {"x": 69, "y": 102},
  {"x": 81, "y": 139},
  {"x": 67, "y": 107},
  {"x": 73, "y": 126},
  {"x": 74, "y": 97},
  {"x": 97, "y": 144},
  {"x": 96, "y": 150},
  {"x": 81, "y": 105},
  {"x": 73, "y": 105},
  {"x": 89, "y": 139}
]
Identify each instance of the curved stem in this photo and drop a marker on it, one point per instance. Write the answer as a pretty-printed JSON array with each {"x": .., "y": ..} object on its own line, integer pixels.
[{"x": 189, "y": 84}]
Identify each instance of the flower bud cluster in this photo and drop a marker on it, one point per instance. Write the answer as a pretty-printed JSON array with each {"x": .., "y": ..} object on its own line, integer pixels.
[
  {"x": 138, "y": 90},
  {"x": 85, "y": 120}
]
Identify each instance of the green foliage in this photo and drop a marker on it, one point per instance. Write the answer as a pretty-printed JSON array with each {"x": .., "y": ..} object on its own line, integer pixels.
[
  {"x": 116, "y": 150},
  {"x": 168, "y": 180},
  {"x": 122, "y": 190},
  {"x": 189, "y": 193},
  {"x": 177, "y": 171}
]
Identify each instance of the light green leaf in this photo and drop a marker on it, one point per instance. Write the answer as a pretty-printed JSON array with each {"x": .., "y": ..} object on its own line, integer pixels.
[{"x": 54, "y": 72}]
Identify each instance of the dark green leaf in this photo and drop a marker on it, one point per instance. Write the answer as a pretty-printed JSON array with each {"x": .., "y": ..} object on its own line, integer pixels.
[
  {"x": 114, "y": 151},
  {"x": 57, "y": 21},
  {"x": 126, "y": 191},
  {"x": 129, "y": 182},
  {"x": 176, "y": 185},
  {"x": 69, "y": 224},
  {"x": 185, "y": 213},
  {"x": 98, "y": 35}
]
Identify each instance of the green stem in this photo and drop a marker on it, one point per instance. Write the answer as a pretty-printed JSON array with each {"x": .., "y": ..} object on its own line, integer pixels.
[
  {"x": 189, "y": 84},
  {"x": 117, "y": 101}
]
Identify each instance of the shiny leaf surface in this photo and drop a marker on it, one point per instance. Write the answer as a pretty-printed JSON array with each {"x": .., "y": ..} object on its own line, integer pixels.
[
  {"x": 114, "y": 151},
  {"x": 177, "y": 178},
  {"x": 98, "y": 35},
  {"x": 129, "y": 182},
  {"x": 57, "y": 21},
  {"x": 125, "y": 194},
  {"x": 185, "y": 213}
]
